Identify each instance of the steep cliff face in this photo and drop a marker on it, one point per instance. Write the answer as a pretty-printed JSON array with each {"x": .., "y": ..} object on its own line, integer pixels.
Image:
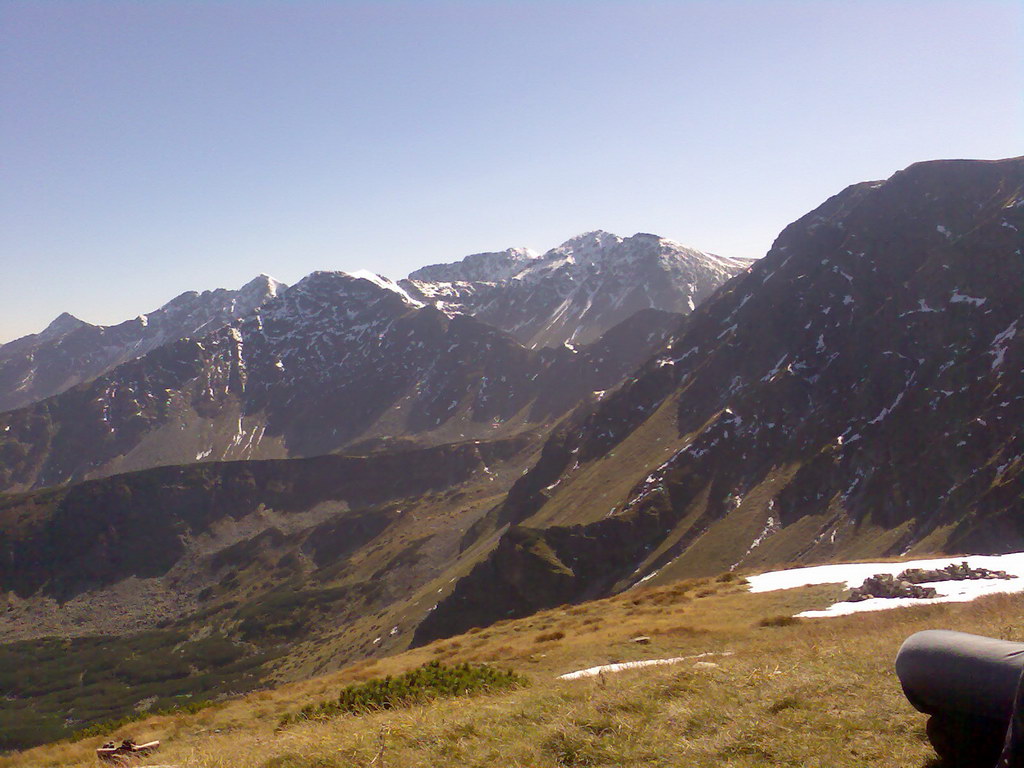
[
  {"x": 335, "y": 360},
  {"x": 857, "y": 393},
  {"x": 576, "y": 292}
]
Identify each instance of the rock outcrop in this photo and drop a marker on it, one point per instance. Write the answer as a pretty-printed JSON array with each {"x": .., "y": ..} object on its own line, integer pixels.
[{"x": 907, "y": 583}]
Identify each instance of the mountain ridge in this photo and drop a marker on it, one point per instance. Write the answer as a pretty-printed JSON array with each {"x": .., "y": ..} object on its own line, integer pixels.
[
  {"x": 334, "y": 359},
  {"x": 70, "y": 351},
  {"x": 577, "y": 290}
]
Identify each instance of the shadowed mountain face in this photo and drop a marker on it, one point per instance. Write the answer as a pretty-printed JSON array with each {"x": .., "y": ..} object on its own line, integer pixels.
[
  {"x": 63, "y": 542},
  {"x": 70, "y": 351},
  {"x": 577, "y": 291},
  {"x": 858, "y": 392},
  {"x": 334, "y": 359}
]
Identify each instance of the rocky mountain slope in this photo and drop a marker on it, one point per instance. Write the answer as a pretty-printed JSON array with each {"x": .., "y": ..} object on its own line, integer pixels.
[
  {"x": 858, "y": 392},
  {"x": 212, "y": 577},
  {"x": 70, "y": 351},
  {"x": 577, "y": 291},
  {"x": 333, "y": 360}
]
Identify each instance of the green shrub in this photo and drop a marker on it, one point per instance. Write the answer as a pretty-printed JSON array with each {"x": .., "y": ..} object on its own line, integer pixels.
[
  {"x": 110, "y": 726},
  {"x": 430, "y": 681},
  {"x": 24, "y": 728}
]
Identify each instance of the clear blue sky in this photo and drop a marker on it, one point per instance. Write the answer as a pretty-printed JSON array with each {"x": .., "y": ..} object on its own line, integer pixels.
[{"x": 149, "y": 148}]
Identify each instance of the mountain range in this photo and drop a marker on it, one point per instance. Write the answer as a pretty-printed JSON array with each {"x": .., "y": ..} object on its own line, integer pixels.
[
  {"x": 577, "y": 291},
  {"x": 354, "y": 466},
  {"x": 274, "y": 372}
]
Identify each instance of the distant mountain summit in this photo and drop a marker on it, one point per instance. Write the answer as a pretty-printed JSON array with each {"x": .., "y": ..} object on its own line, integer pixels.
[
  {"x": 62, "y": 325},
  {"x": 70, "y": 351},
  {"x": 577, "y": 291}
]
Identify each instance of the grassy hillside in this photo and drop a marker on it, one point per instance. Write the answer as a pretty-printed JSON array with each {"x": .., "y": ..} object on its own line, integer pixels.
[{"x": 773, "y": 691}]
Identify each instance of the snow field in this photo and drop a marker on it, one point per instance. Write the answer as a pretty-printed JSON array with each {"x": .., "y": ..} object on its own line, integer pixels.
[{"x": 853, "y": 575}]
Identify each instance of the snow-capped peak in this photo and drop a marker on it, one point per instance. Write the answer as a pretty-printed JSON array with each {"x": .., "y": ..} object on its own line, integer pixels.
[
  {"x": 575, "y": 291},
  {"x": 588, "y": 241},
  {"x": 263, "y": 284},
  {"x": 335, "y": 286},
  {"x": 385, "y": 283},
  {"x": 260, "y": 289}
]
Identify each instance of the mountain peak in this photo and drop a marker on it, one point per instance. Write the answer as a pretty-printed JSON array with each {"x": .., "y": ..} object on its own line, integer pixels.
[
  {"x": 576, "y": 291},
  {"x": 333, "y": 285},
  {"x": 595, "y": 239},
  {"x": 263, "y": 284},
  {"x": 62, "y": 325},
  {"x": 647, "y": 237},
  {"x": 382, "y": 282}
]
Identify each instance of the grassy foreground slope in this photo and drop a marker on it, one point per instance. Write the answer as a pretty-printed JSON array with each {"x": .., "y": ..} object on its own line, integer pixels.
[{"x": 773, "y": 691}]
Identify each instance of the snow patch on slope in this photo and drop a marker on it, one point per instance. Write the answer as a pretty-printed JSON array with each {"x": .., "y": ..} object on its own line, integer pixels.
[
  {"x": 853, "y": 575},
  {"x": 602, "y": 669},
  {"x": 383, "y": 282}
]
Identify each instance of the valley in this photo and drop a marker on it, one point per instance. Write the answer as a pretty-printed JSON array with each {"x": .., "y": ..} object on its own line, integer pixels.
[{"x": 352, "y": 474}]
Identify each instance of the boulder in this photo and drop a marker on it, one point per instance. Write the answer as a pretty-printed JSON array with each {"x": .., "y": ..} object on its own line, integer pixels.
[{"x": 906, "y": 583}]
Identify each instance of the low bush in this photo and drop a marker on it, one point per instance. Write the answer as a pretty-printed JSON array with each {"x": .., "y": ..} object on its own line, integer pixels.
[
  {"x": 544, "y": 637},
  {"x": 110, "y": 726},
  {"x": 430, "y": 681},
  {"x": 729, "y": 577}
]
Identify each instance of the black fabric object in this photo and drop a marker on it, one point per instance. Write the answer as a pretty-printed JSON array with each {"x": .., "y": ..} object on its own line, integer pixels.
[
  {"x": 971, "y": 686},
  {"x": 1013, "y": 748}
]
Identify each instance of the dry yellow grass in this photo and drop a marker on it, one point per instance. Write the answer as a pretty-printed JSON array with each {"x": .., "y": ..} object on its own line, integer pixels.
[{"x": 805, "y": 693}]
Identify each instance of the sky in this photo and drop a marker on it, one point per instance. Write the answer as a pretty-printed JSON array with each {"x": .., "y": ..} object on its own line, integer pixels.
[{"x": 153, "y": 147}]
